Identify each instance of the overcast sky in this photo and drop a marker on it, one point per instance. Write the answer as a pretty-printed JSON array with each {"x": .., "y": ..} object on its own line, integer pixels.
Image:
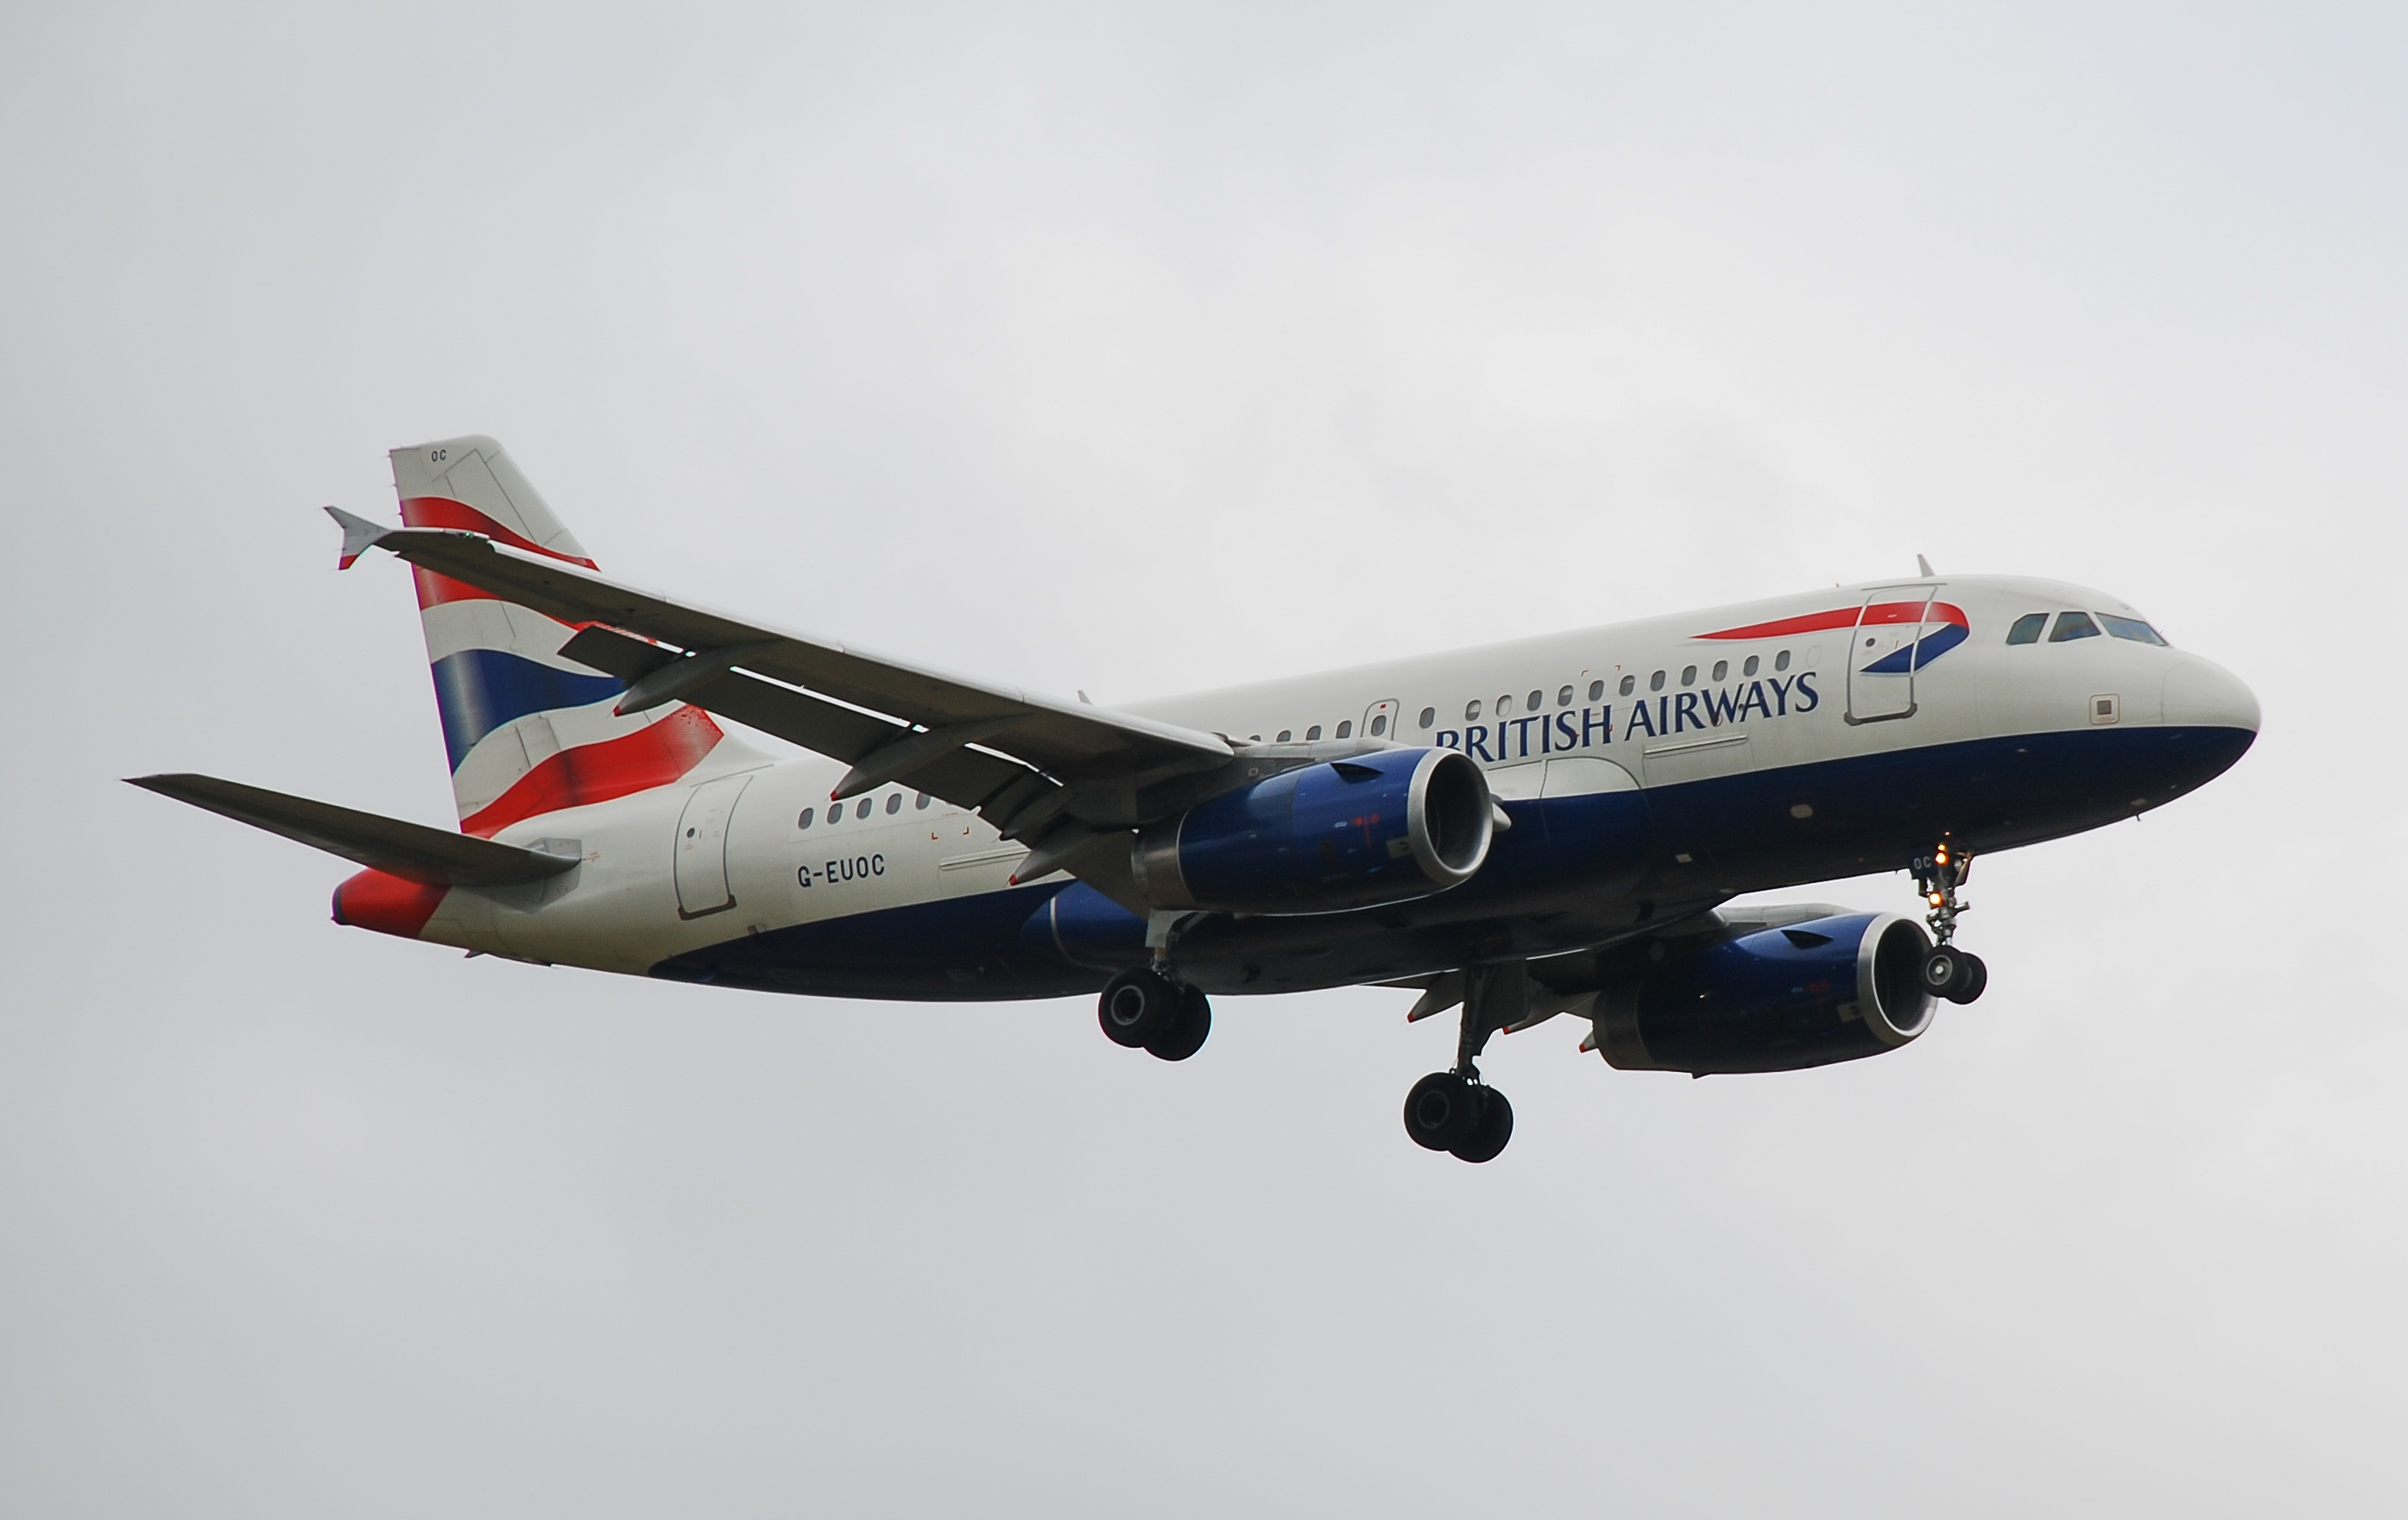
[{"x": 1151, "y": 348}]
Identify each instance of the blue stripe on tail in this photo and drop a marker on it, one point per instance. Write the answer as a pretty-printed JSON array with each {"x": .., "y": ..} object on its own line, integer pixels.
[{"x": 478, "y": 691}]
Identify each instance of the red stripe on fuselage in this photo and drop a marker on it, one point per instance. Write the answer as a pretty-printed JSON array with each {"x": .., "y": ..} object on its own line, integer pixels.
[
  {"x": 650, "y": 757},
  {"x": 1817, "y": 623},
  {"x": 388, "y": 904},
  {"x": 443, "y": 512}
]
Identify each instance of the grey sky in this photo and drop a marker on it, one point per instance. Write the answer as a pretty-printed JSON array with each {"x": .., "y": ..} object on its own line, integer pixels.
[{"x": 1141, "y": 350}]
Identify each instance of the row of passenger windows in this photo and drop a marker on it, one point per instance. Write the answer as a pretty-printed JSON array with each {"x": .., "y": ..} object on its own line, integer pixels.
[
  {"x": 1345, "y": 731},
  {"x": 860, "y": 809},
  {"x": 1537, "y": 700},
  {"x": 2078, "y": 625}
]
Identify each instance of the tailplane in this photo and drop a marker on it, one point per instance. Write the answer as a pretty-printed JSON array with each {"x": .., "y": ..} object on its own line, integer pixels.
[{"x": 527, "y": 731}]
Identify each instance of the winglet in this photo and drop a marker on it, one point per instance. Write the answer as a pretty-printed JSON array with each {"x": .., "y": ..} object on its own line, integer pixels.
[{"x": 359, "y": 535}]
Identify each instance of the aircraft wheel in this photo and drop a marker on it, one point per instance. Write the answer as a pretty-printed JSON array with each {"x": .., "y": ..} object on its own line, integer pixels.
[
  {"x": 1139, "y": 1006},
  {"x": 1947, "y": 972},
  {"x": 1187, "y": 1034},
  {"x": 1977, "y": 978},
  {"x": 1441, "y": 1112},
  {"x": 1495, "y": 1129}
]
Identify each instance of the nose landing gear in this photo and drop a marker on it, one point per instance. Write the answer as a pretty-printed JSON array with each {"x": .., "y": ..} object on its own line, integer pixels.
[
  {"x": 1947, "y": 972},
  {"x": 1454, "y": 1111}
]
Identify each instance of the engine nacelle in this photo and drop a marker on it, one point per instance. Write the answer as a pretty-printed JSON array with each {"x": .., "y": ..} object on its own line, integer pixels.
[
  {"x": 1383, "y": 826},
  {"x": 1781, "y": 1000}
]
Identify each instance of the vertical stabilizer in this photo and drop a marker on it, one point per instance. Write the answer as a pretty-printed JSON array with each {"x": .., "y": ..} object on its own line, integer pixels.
[{"x": 527, "y": 731}]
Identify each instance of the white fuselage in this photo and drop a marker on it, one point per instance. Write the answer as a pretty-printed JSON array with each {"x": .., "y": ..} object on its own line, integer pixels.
[{"x": 1653, "y": 709}]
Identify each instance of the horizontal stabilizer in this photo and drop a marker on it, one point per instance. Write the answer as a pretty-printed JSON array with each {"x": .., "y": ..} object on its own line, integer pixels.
[{"x": 411, "y": 851}]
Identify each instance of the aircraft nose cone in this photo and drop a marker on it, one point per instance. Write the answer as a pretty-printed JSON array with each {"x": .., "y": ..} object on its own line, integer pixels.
[{"x": 2201, "y": 695}]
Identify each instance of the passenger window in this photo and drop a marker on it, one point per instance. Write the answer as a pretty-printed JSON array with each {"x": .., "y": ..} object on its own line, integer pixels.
[
  {"x": 1471, "y": 711},
  {"x": 1286, "y": 734},
  {"x": 894, "y": 802},
  {"x": 1312, "y": 733},
  {"x": 1629, "y": 683},
  {"x": 1749, "y": 669},
  {"x": 805, "y": 821},
  {"x": 1596, "y": 690},
  {"x": 2131, "y": 628},
  {"x": 1564, "y": 698},
  {"x": 1346, "y": 728},
  {"x": 1722, "y": 668},
  {"x": 1379, "y": 725},
  {"x": 2028, "y": 627},
  {"x": 1781, "y": 660},
  {"x": 1689, "y": 675},
  {"x": 1655, "y": 682},
  {"x": 1429, "y": 716},
  {"x": 1538, "y": 700},
  {"x": 1505, "y": 704},
  {"x": 863, "y": 811},
  {"x": 2073, "y": 625},
  {"x": 922, "y": 802}
]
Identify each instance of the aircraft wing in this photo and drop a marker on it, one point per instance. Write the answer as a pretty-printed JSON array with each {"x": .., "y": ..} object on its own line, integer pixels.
[
  {"x": 411, "y": 851},
  {"x": 1070, "y": 741}
]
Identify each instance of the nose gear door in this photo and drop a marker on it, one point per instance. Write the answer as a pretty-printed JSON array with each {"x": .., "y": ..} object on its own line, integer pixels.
[
  {"x": 702, "y": 847},
  {"x": 1884, "y": 651}
]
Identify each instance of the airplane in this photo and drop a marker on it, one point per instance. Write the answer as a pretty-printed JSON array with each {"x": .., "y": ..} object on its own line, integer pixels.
[{"x": 1552, "y": 827}]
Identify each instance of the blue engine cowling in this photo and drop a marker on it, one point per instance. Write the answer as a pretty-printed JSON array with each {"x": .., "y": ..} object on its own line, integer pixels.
[
  {"x": 1383, "y": 826},
  {"x": 1781, "y": 1000}
]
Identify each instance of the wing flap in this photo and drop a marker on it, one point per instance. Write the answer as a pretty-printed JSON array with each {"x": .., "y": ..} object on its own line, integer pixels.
[{"x": 411, "y": 851}]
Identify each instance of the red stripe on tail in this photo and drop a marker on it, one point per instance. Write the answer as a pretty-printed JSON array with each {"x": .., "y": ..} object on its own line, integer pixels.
[
  {"x": 650, "y": 757},
  {"x": 443, "y": 512}
]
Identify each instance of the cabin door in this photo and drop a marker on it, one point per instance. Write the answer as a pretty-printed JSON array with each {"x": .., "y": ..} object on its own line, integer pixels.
[
  {"x": 1884, "y": 651},
  {"x": 702, "y": 847}
]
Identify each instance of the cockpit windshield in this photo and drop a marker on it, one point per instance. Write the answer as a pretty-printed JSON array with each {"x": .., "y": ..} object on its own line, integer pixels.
[
  {"x": 2073, "y": 625},
  {"x": 2131, "y": 628}
]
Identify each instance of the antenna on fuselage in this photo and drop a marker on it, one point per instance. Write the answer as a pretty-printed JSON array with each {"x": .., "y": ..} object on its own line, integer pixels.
[{"x": 1923, "y": 566}]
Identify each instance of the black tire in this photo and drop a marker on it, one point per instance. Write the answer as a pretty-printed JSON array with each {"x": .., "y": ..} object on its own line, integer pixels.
[
  {"x": 1977, "y": 979},
  {"x": 1945, "y": 971},
  {"x": 1442, "y": 1111},
  {"x": 1138, "y": 1007},
  {"x": 1187, "y": 1034},
  {"x": 1495, "y": 1129}
]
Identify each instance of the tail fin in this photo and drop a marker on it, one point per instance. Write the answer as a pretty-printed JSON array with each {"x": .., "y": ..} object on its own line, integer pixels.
[{"x": 527, "y": 731}]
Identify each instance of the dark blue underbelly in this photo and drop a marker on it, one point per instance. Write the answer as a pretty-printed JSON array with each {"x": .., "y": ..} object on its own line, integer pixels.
[{"x": 1572, "y": 871}]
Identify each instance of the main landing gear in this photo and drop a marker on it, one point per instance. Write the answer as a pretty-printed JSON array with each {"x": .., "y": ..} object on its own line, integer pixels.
[
  {"x": 1144, "y": 1009},
  {"x": 1454, "y": 1111},
  {"x": 1957, "y": 976}
]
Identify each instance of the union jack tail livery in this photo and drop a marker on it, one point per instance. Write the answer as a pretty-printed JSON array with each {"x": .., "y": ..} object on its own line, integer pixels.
[{"x": 527, "y": 731}]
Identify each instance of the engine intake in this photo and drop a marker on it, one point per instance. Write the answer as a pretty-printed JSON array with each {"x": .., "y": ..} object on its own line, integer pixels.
[
  {"x": 1382, "y": 827},
  {"x": 1782, "y": 999}
]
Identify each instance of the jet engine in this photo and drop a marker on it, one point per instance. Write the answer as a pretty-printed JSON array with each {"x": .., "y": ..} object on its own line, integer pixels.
[
  {"x": 1377, "y": 828},
  {"x": 1781, "y": 1000}
]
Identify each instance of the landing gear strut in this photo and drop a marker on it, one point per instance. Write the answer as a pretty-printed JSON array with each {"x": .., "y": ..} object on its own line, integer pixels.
[
  {"x": 1144, "y": 1009},
  {"x": 1454, "y": 1111},
  {"x": 1957, "y": 976}
]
